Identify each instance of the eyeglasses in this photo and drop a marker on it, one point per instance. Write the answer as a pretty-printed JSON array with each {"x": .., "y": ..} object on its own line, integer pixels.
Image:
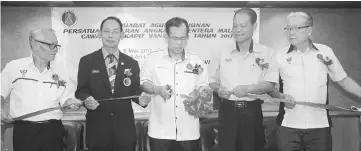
[
  {"x": 179, "y": 39},
  {"x": 243, "y": 26},
  {"x": 51, "y": 46},
  {"x": 296, "y": 29},
  {"x": 107, "y": 32}
]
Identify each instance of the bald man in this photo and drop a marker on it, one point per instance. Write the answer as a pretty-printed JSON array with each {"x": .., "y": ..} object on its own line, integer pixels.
[{"x": 35, "y": 83}]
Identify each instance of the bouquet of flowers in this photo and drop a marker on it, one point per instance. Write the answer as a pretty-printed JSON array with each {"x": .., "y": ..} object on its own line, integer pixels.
[{"x": 198, "y": 103}]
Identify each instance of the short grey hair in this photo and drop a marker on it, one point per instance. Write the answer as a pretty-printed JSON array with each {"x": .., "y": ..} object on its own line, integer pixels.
[
  {"x": 307, "y": 15},
  {"x": 35, "y": 31}
]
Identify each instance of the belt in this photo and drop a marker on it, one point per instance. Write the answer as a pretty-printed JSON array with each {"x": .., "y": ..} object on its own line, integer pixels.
[
  {"x": 242, "y": 103},
  {"x": 36, "y": 122}
]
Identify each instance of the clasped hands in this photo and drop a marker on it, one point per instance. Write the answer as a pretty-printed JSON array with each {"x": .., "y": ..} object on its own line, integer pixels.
[
  {"x": 165, "y": 91},
  {"x": 6, "y": 117},
  {"x": 243, "y": 90},
  {"x": 239, "y": 91},
  {"x": 73, "y": 104}
]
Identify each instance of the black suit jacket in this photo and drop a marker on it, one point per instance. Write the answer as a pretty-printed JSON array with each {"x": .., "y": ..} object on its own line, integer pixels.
[{"x": 111, "y": 119}]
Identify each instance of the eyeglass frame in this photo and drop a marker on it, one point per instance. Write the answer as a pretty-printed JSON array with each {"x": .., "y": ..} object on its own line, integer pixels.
[
  {"x": 242, "y": 26},
  {"x": 49, "y": 44},
  {"x": 296, "y": 29},
  {"x": 108, "y": 32},
  {"x": 179, "y": 39}
]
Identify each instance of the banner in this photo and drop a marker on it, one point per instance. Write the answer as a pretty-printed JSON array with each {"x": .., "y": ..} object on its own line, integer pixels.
[{"x": 77, "y": 31}]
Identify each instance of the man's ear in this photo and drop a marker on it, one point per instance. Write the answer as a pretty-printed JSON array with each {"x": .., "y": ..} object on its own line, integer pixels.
[
  {"x": 33, "y": 45},
  {"x": 255, "y": 26},
  {"x": 165, "y": 37},
  {"x": 310, "y": 31},
  {"x": 100, "y": 34}
]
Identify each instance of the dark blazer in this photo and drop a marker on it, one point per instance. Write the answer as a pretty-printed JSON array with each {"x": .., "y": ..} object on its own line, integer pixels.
[{"x": 111, "y": 119}]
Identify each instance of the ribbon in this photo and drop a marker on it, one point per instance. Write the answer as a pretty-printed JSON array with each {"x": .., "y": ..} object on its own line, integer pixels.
[
  {"x": 61, "y": 107},
  {"x": 309, "y": 104}
]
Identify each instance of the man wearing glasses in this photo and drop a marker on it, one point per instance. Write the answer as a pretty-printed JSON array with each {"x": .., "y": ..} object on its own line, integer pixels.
[
  {"x": 166, "y": 75},
  {"x": 303, "y": 68},
  {"x": 35, "y": 83}
]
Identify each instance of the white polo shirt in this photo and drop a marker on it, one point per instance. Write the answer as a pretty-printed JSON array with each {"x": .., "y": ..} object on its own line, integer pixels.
[
  {"x": 168, "y": 119},
  {"x": 235, "y": 69},
  {"x": 304, "y": 77},
  {"x": 31, "y": 90}
]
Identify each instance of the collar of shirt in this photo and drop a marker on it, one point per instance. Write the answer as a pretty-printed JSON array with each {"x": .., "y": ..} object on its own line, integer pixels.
[
  {"x": 251, "y": 48},
  {"x": 167, "y": 55},
  {"x": 293, "y": 48},
  {"x": 105, "y": 54},
  {"x": 32, "y": 63}
]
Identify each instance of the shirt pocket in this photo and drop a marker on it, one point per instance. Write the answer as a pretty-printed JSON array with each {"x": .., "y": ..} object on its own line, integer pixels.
[
  {"x": 95, "y": 73},
  {"x": 26, "y": 87},
  {"x": 317, "y": 73},
  {"x": 95, "y": 78},
  {"x": 189, "y": 80},
  {"x": 52, "y": 91},
  {"x": 163, "y": 75},
  {"x": 293, "y": 71}
]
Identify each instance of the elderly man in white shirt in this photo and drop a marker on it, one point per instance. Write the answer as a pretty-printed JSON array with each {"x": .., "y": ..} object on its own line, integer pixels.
[
  {"x": 36, "y": 83},
  {"x": 303, "y": 68},
  {"x": 169, "y": 123}
]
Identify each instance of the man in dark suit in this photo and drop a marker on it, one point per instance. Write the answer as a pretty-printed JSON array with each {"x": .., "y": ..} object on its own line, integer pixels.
[{"x": 103, "y": 74}]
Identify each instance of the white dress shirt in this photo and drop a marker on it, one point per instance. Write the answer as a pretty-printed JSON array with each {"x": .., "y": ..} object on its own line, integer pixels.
[
  {"x": 304, "y": 77},
  {"x": 235, "y": 68},
  {"x": 32, "y": 91},
  {"x": 168, "y": 119}
]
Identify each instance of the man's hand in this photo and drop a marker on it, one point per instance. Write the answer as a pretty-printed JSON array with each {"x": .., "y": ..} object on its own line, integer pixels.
[
  {"x": 144, "y": 100},
  {"x": 6, "y": 117},
  {"x": 73, "y": 104},
  {"x": 223, "y": 93},
  {"x": 292, "y": 101},
  {"x": 91, "y": 103},
  {"x": 164, "y": 91},
  {"x": 240, "y": 91}
]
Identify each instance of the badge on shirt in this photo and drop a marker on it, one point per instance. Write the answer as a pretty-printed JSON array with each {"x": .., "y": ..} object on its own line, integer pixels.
[
  {"x": 95, "y": 71},
  {"x": 127, "y": 82},
  {"x": 228, "y": 59},
  {"x": 194, "y": 68},
  {"x": 289, "y": 59},
  {"x": 23, "y": 72}
]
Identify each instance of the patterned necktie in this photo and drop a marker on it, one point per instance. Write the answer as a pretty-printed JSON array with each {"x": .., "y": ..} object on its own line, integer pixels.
[{"x": 112, "y": 68}]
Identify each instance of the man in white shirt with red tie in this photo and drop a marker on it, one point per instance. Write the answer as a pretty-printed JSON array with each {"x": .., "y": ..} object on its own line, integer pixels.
[
  {"x": 304, "y": 68},
  {"x": 36, "y": 83},
  {"x": 167, "y": 74}
]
